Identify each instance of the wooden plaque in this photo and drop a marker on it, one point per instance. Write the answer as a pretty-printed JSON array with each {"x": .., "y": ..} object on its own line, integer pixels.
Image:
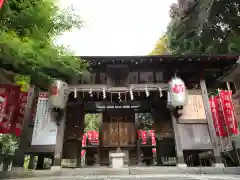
[{"x": 194, "y": 110}]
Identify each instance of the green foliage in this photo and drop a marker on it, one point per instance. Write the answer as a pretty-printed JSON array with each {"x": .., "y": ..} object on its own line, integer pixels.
[
  {"x": 145, "y": 120},
  {"x": 28, "y": 31},
  {"x": 23, "y": 81},
  {"x": 205, "y": 27},
  {"x": 92, "y": 122},
  {"x": 8, "y": 144}
]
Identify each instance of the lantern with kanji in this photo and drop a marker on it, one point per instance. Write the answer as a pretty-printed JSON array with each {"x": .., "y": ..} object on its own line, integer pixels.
[
  {"x": 177, "y": 92},
  {"x": 58, "y": 94},
  {"x": 58, "y": 99}
]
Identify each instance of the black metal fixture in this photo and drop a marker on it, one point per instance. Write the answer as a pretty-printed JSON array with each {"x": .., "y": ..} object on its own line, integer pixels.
[{"x": 58, "y": 115}]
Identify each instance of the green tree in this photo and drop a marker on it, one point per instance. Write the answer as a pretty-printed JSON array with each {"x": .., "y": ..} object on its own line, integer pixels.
[
  {"x": 8, "y": 144},
  {"x": 205, "y": 27},
  {"x": 92, "y": 122},
  {"x": 28, "y": 31},
  {"x": 160, "y": 47},
  {"x": 145, "y": 121}
]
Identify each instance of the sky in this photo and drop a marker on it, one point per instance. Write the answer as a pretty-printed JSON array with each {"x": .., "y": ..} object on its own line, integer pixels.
[{"x": 116, "y": 27}]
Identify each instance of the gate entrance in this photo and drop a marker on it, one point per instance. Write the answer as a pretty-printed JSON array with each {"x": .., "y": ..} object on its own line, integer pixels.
[
  {"x": 118, "y": 132},
  {"x": 118, "y": 129}
]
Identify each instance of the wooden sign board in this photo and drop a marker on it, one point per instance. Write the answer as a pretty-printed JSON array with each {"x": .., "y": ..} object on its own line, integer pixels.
[
  {"x": 195, "y": 136},
  {"x": 194, "y": 110}
]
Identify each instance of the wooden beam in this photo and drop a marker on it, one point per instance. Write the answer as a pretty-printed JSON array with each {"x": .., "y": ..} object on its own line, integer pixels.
[
  {"x": 23, "y": 142},
  {"x": 216, "y": 150},
  {"x": 178, "y": 146},
  {"x": 100, "y": 87}
]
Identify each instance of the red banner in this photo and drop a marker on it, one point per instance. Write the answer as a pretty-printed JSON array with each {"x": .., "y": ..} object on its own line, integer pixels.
[
  {"x": 152, "y": 134},
  {"x": 228, "y": 111},
  {"x": 84, "y": 140},
  {"x": 3, "y": 104},
  {"x": 142, "y": 134},
  {"x": 93, "y": 137},
  {"x": 9, "y": 95},
  {"x": 20, "y": 113},
  {"x": 217, "y": 116}
]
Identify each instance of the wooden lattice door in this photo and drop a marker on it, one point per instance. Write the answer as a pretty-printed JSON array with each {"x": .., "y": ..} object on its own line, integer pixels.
[
  {"x": 118, "y": 130},
  {"x": 113, "y": 132}
]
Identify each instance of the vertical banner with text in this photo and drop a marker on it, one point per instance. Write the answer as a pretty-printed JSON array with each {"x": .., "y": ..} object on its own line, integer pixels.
[
  {"x": 20, "y": 113},
  {"x": 9, "y": 95},
  {"x": 217, "y": 116},
  {"x": 228, "y": 112}
]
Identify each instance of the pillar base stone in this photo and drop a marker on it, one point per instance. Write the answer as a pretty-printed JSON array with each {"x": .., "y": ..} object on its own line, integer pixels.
[
  {"x": 218, "y": 165},
  {"x": 182, "y": 165},
  {"x": 55, "y": 168},
  {"x": 18, "y": 169}
]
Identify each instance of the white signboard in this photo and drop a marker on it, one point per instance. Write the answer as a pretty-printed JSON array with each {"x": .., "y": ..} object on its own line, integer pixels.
[{"x": 45, "y": 130}]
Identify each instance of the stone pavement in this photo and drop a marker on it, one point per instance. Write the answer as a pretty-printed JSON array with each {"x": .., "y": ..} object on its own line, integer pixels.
[
  {"x": 126, "y": 173},
  {"x": 142, "y": 177}
]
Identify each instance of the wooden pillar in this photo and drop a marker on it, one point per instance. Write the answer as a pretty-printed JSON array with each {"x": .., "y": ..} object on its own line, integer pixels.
[
  {"x": 99, "y": 148},
  {"x": 216, "y": 150},
  {"x": 138, "y": 143},
  {"x": 139, "y": 152},
  {"x": 24, "y": 138},
  {"x": 40, "y": 163},
  {"x": 80, "y": 117},
  {"x": 59, "y": 143},
  {"x": 178, "y": 146}
]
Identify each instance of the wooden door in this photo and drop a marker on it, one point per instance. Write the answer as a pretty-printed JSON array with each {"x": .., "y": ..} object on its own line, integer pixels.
[
  {"x": 113, "y": 132},
  {"x": 119, "y": 131},
  {"x": 123, "y": 131}
]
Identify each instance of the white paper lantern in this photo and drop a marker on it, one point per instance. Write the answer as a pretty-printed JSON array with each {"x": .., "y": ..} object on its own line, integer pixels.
[
  {"x": 177, "y": 92},
  {"x": 58, "y": 94}
]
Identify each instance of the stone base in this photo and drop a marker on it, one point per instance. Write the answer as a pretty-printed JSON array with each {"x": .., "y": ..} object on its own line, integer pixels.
[
  {"x": 17, "y": 169},
  {"x": 56, "y": 168},
  {"x": 218, "y": 165},
  {"x": 182, "y": 165},
  {"x": 117, "y": 160}
]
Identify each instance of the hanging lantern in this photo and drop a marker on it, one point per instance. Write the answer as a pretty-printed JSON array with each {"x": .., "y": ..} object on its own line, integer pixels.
[
  {"x": 177, "y": 92},
  {"x": 58, "y": 96},
  {"x": 58, "y": 99}
]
